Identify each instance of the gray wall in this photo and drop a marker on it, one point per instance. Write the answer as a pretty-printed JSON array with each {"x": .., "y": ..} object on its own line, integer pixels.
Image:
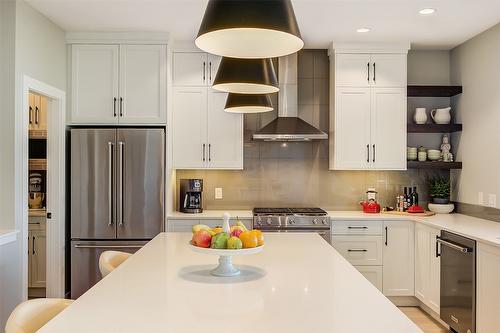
[
  {"x": 475, "y": 66},
  {"x": 297, "y": 174}
]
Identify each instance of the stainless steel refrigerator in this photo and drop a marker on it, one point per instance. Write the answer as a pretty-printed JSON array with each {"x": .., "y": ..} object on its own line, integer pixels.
[{"x": 117, "y": 195}]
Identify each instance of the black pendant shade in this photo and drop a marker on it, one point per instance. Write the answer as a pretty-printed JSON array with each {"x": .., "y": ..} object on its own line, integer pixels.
[
  {"x": 246, "y": 76},
  {"x": 245, "y": 103},
  {"x": 249, "y": 29}
]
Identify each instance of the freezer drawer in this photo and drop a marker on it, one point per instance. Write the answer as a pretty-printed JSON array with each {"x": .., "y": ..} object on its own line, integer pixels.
[{"x": 85, "y": 261}]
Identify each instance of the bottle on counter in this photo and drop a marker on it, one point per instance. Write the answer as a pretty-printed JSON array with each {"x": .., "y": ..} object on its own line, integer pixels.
[
  {"x": 414, "y": 196},
  {"x": 405, "y": 199},
  {"x": 409, "y": 199}
]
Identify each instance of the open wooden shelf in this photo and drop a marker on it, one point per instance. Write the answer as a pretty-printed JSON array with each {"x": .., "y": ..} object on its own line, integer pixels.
[
  {"x": 37, "y": 134},
  {"x": 434, "y": 165},
  {"x": 37, "y": 164},
  {"x": 434, "y": 128},
  {"x": 434, "y": 91}
]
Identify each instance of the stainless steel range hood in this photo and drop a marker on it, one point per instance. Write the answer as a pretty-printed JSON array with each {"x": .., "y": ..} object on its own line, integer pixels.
[{"x": 288, "y": 126}]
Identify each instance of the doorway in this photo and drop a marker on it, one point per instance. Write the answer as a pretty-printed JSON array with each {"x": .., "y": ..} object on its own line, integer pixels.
[{"x": 42, "y": 201}]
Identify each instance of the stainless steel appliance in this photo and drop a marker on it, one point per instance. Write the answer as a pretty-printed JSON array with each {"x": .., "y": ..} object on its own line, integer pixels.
[
  {"x": 458, "y": 282},
  {"x": 190, "y": 198},
  {"x": 117, "y": 195},
  {"x": 293, "y": 220}
]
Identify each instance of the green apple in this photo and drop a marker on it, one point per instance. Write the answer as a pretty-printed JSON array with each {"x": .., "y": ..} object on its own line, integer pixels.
[
  {"x": 219, "y": 241},
  {"x": 234, "y": 243}
]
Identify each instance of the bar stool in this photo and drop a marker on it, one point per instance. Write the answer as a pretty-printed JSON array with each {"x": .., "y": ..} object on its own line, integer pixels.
[
  {"x": 109, "y": 260},
  {"x": 30, "y": 316}
]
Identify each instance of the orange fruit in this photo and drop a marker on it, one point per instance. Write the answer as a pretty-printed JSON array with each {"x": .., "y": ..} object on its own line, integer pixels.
[
  {"x": 260, "y": 237},
  {"x": 249, "y": 239}
]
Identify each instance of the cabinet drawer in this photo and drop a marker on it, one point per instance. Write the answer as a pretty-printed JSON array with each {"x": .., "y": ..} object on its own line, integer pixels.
[
  {"x": 361, "y": 227},
  {"x": 359, "y": 250},
  {"x": 372, "y": 274}
]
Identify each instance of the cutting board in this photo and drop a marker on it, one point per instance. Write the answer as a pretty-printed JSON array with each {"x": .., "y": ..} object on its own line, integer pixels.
[{"x": 426, "y": 213}]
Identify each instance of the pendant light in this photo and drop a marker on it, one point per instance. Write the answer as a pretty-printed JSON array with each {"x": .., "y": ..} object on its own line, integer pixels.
[
  {"x": 245, "y": 103},
  {"x": 246, "y": 76},
  {"x": 249, "y": 29}
]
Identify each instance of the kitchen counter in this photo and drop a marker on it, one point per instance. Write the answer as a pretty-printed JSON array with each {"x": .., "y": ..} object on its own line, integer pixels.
[
  {"x": 297, "y": 284},
  {"x": 478, "y": 229},
  {"x": 211, "y": 214},
  {"x": 7, "y": 236}
]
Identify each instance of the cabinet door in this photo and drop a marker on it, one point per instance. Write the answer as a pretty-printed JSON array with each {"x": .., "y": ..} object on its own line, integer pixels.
[
  {"x": 372, "y": 274},
  {"x": 189, "y": 127},
  {"x": 388, "y": 70},
  {"x": 213, "y": 67},
  {"x": 41, "y": 113},
  {"x": 352, "y": 129},
  {"x": 39, "y": 260},
  {"x": 422, "y": 262},
  {"x": 353, "y": 70},
  {"x": 434, "y": 293},
  {"x": 143, "y": 84},
  {"x": 190, "y": 69},
  {"x": 359, "y": 250},
  {"x": 94, "y": 84},
  {"x": 388, "y": 128},
  {"x": 488, "y": 293},
  {"x": 398, "y": 254},
  {"x": 30, "y": 258},
  {"x": 225, "y": 134},
  {"x": 31, "y": 111}
]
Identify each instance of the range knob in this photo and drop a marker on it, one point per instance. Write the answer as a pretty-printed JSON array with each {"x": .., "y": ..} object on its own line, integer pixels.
[
  {"x": 323, "y": 221},
  {"x": 269, "y": 221},
  {"x": 291, "y": 221},
  {"x": 315, "y": 221},
  {"x": 259, "y": 222}
]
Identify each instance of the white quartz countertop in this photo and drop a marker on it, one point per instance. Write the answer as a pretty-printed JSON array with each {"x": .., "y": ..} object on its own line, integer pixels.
[
  {"x": 211, "y": 214},
  {"x": 478, "y": 229},
  {"x": 7, "y": 236},
  {"x": 298, "y": 283}
]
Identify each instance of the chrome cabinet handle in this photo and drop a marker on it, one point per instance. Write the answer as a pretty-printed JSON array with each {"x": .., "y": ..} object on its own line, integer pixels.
[
  {"x": 114, "y": 106},
  {"x": 204, "y": 71},
  {"x": 357, "y": 227},
  {"x": 77, "y": 246},
  {"x": 368, "y": 153},
  {"x": 121, "y": 106},
  {"x": 374, "y": 73},
  {"x": 33, "y": 245},
  {"x": 373, "y": 153},
  {"x": 368, "y": 74},
  {"x": 120, "y": 183},
  {"x": 357, "y": 250},
  {"x": 203, "y": 153},
  {"x": 209, "y": 152},
  {"x": 454, "y": 246},
  {"x": 37, "y": 111},
  {"x": 110, "y": 183},
  {"x": 386, "y": 238},
  {"x": 31, "y": 115}
]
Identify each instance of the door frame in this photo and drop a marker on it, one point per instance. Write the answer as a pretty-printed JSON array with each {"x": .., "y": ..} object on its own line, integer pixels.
[{"x": 55, "y": 229}]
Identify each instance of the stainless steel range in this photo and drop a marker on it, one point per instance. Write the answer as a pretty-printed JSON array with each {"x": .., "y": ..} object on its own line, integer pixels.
[{"x": 293, "y": 220}]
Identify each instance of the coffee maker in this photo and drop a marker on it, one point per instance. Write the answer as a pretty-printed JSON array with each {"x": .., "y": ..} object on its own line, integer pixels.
[{"x": 190, "y": 198}]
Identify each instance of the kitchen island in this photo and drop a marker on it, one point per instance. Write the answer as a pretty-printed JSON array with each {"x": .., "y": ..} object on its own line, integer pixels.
[{"x": 299, "y": 283}]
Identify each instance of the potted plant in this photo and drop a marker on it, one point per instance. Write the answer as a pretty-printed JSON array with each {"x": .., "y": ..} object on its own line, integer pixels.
[{"x": 439, "y": 191}]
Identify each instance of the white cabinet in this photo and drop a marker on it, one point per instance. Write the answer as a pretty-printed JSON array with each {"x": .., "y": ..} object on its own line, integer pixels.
[
  {"x": 372, "y": 274},
  {"x": 115, "y": 84},
  {"x": 369, "y": 111},
  {"x": 203, "y": 135},
  {"x": 427, "y": 266},
  {"x": 194, "y": 69},
  {"x": 359, "y": 250},
  {"x": 488, "y": 292},
  {"x": 398, "y": 258},
  {"x": 37, "y": 255}
]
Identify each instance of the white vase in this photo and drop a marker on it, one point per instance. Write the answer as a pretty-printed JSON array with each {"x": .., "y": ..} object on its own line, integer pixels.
[
  {"x": 441, "y": 116},
  {"x": 420, "y": 116}
]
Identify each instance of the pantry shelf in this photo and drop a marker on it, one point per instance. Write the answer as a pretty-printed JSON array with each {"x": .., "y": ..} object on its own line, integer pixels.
[
  {"x": 434, "y": 165},
  {"x": 433, "y": 91}
]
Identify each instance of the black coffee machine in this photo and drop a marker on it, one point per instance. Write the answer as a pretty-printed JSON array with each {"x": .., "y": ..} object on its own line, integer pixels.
[{"x": 190, "y": 199}]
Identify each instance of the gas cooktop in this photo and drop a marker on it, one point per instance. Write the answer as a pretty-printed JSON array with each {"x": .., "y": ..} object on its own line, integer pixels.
[{"x": 306, "y": 211}]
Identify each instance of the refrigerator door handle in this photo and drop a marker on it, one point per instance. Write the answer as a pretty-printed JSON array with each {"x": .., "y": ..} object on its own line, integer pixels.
[
  {"x": 77, "y": 246},
  {"x": 121, "y": 146},
  {"x": 110, "y": 183}
]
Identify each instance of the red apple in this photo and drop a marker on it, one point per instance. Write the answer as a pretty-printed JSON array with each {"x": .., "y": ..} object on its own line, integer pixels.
[
  {"x": 201, "y": 238},
  {"x": 236, "y": 232}
]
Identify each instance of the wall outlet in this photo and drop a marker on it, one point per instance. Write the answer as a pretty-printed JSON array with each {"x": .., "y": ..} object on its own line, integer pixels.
[
  {"x": 480, "y": 198},
  {"x": 218, "y": 193},
  {"x": 492, "y": 200}
]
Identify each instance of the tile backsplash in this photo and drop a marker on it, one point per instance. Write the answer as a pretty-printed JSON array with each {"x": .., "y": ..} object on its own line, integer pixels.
[{"x": 296, "y": 174}]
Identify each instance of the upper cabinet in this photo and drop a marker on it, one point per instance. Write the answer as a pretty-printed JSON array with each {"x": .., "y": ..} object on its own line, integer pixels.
[
  {"x": 118, "y": 84},
  {"x": 203, "y": 135},
  {"x": 368, "y": 108}
]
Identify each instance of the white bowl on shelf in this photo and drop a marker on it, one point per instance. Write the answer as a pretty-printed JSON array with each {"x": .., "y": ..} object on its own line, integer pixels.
[
  {"x": 433, "y": 157},
  {"x": 441, "y": 208}
]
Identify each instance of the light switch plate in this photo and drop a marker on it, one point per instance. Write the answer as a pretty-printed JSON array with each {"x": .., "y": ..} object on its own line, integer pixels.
[
  {"x": 218, "y": 193},
  {"x": 480, "y": 198},
  {"x": 492, "y": 200}
]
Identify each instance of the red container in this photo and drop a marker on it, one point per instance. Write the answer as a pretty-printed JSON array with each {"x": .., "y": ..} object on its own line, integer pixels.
[{"x": 371, "y": 207}]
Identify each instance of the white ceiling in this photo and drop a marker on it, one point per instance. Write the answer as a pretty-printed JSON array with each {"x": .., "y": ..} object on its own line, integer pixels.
[{"x": 320, "y": 21}]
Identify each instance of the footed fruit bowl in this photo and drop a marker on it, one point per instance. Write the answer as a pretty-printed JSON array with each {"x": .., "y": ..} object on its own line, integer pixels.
[{"x": 226, "y": 242}]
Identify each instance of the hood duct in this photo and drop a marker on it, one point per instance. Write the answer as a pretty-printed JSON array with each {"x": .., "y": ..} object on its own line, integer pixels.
[{"x": 288, "y": 126}]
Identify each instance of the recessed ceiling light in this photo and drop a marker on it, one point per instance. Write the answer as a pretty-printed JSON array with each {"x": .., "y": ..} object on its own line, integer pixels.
[
  {"x": 363, "y": 30},
  {"x": 427, "y": 11}
]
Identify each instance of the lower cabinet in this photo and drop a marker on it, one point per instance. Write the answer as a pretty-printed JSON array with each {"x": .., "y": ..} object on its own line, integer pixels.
[
  {"x": 427, "y": 266},
  {"x": 37, "y": 255},
  {"x": 183, "y": 225},
  {"x": 372, "y": 274},
  {"x": 398, "y": 262},
  {"x": 488, "y": 292}
]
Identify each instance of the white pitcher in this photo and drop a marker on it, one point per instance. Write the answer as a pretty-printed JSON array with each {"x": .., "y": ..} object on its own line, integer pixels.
[
  {"x": 441, "y": 116},
  {"x": 420, "y": 116}
]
